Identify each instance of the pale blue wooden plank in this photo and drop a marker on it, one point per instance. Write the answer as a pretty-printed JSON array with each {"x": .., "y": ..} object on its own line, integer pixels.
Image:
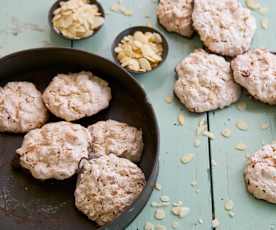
[
  {"x": 175, "y": 178},
  {"x": 228, "y": 173}
]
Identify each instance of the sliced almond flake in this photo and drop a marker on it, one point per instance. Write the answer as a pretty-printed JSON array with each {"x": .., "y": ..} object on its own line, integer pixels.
[
  {"x": 169, "y": 99},
  {"x": 127, "y": 12},
  {"x": 274, "y": 142},
  {"x": 253, "y": 4},
  {"x": 215, "y": 223},
  {"x": 264, "y": 23},
  {"x": 181, "y": 212},
  {"x": 202, "y": 126},
  {"x": 159, "y": 214},
  {"x": 160, "y": 227},
  {"x": 157, "y": 186},
  {"x": 194, "y": 183},
  {"x": 200, "y": 221},
  {"x": 242, "y": 106},
  {"x": 197, "y": 142},
  {"x": 242, "y": 125},
  {"x": 264, "y": 125},
  {"x": 159, "y": 204},
  {"x": 263, "y": 10},
  {"x": 228, "y": 205},
  {"x": 181, "y": 119},
  {"x": 174, "y": 224},
  {"x": 115, "y": 7},
  {"x": 231, "y": 214},
  {"x": 226, "y": 133},
  {"x": 241, "y": 147},
  {"x": 187, "y": 158},
  {"x": 165, "y": 198},
  {"x": 148, "y": 226},
  {"x": 177, "y": 203},
  {"x": 214, "y": 163},
  {"x": 209, "y": 135}
]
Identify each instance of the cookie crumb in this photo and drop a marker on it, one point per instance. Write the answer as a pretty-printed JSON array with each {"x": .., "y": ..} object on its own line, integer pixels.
[
  {"x": 197, "y": 142},
  {"x": 174, "y": 224},
  {"x": 209, "y": 134},
  {"x": 231, "y": 214},
  {"x": 160, "y": 227},
  {"x": 177, "y": 203},
  {"x": 264, "y": 125},
  {"x": 165, "y": 198},
  {"x": 242, "y": 106},
  {"x": 158, "y": 186},
  {"x": 213, "y": 163},
  {"x": 180, "y": 212},
  {"x": 264, "y": 23}
]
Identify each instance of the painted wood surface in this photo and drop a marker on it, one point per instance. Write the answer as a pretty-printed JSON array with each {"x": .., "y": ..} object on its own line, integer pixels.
[{"x": 25, "y": 26}]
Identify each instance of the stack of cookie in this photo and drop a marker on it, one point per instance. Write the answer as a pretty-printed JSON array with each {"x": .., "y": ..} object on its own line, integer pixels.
[
  {"x": 207, "y": 80},
  {"x": 108, "y": 180}
]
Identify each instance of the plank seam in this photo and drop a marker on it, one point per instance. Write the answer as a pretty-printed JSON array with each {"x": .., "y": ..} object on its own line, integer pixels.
[{"x": 211, "y": 170}]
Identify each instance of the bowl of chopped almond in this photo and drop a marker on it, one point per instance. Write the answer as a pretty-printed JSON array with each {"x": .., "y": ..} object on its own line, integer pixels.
[
  {"x": 140, "y": 49},
  {"x": 76, "y": 19}
]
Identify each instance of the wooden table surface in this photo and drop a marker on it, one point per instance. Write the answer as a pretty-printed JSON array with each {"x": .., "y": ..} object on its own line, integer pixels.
[{"x": 23, "y": 24}]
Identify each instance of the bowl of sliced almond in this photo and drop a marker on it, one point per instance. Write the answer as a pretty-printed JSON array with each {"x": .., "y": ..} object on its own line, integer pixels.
[
  {"x": 76, "y": 19},
  {"x": 140, "y": 49}
]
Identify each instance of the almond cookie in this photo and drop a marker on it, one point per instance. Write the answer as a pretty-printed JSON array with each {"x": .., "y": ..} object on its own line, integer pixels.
[
  {"x": 118, "y": 138},
  {"x": 256, "y": 71},
  {"x": 260, "y": 174},
  {"x": 224, "y": 26},
  {"x": 54, "y": 151},
  {"x": 21, "y": 108},
  {"x": 107, "y": 186},
  {"x": 176, "y": 16},
  {"x": 76, "y": 95},
  {"x": 205, "y": 82}
]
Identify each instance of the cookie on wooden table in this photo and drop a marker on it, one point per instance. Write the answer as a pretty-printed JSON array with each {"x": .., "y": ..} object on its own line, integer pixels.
[
  {"x": 107, "y": 186},
  {"x": 176, "y": 16},
  {"x": 224, "y": 26},
  {"x": 260, "y": 174},
  {"x": 256, "y": 71},
  {"x": 76, "y": 95},
  {"x": 118, "y": 138},
  {"x": 205, "y": 82},
  {"x": 54, "y": 151},
  {"x": 21, "y": 107}
]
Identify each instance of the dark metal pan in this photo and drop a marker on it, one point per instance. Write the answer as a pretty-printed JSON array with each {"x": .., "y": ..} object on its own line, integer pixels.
[{"x": 26, "y": 203}]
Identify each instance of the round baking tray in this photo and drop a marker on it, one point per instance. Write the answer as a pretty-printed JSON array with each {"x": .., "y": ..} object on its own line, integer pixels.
[{"x": 30, "y": 204}]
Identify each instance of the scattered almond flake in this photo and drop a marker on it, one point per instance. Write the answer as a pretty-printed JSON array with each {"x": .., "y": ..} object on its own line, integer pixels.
[
  {"x": 263, "y": 10},
  {"x": 181, "y": 119},
  {"x": 194, "y": 183},
  {"x": 264, "y": 126},
  {"x": 149, "y": 23},
  {"x": 159, "y": 214},
  {"x": 202, "y": 126},
  {"x": 247, "y": 156},
  {"x": 159, "y": 204},
  {"x": 119, "y": 8},
  {"x": 200, "y": 221},
  {"x": 226, "y": 133},
  {"x": 165, "y": 198},
  {"x": 209, "y": 135},
  {"x": 197, "y": 142},
  {"x": 160, "y": 227},
  {"x": 264, "y": 23},
  {"x": 126, "y": 12},
  {"x": 148, "y": 226},
  {"x": 180, "y": 212},
  {"x": 214, "y": 163},
  {"x": 242, "y": 106},
  {"x": 169, "y": 99},
  {"x": 115, "y": 7},
  {"x": 231, "y": 214},
  {"x": 174, "y": 224},
  {"x": 187, "y": 158},
  {"x": 157, "y": 186},
  {"x": 215, "y": 223},
  {"x": 241, "y": 147},
  {"x": 228, "y": 205},
  {"x": 197, "y": 190},
  {"x": 274, "y": 142},
  {"x": 242, "y": 125},
  {"x": 253, "y": 4},
  {"x": 177, "y": 203}
]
